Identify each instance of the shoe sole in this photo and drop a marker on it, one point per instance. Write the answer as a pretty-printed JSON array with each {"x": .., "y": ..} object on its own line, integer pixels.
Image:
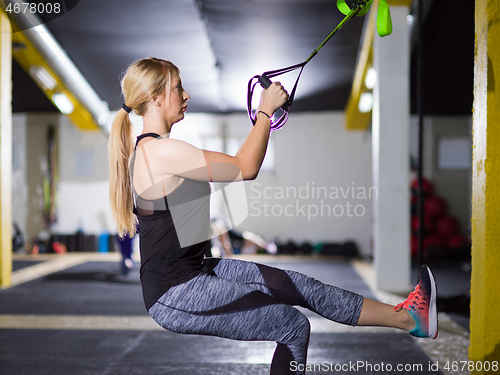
[{"x": 433, "y": 318}]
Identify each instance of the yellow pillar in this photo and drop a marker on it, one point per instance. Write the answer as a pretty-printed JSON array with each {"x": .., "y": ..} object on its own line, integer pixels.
[
  {"x": 485, "y": 280},
  {"x": 5, "y": 151}
]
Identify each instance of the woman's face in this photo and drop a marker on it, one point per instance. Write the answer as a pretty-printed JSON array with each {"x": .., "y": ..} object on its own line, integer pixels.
[{"x": 176, "y": 100}]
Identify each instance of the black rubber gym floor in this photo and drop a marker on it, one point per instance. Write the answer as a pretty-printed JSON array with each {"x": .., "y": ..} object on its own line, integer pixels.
[{"x": 97, "y": 289}]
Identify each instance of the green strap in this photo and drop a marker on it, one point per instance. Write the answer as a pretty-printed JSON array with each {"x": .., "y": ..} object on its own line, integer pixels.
[
  {"x": 343, "y": 7},
  {"x": 384, "y": 22},
  {"x": 345, "y": 10}
]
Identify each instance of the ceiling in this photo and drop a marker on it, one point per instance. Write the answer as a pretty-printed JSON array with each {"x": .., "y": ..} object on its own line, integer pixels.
[{"x": 220, "y": 44}]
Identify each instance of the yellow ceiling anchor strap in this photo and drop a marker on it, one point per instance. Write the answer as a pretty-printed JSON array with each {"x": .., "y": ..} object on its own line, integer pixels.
[{"x": 384, "y": 22}]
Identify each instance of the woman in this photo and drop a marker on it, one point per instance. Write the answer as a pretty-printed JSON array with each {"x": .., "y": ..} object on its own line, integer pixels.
[{"x": 164, "y": 182}]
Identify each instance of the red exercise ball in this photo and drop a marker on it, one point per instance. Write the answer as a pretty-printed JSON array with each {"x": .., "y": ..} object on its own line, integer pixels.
[
  {"x": 414, "y": 245},
  {"x": 426, "y": 187},
  {"x": 448, "y": 226},
  {"x": 413, "y": 199},
  {"x": 435, "y": 241},
  {"x": 415, "y": 224},
  {"x": 434, "y": 207},
  {"x": 458, "y": 241}
]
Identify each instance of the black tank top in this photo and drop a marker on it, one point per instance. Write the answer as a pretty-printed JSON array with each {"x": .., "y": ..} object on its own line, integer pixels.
[{"x": 173, "y": 234}]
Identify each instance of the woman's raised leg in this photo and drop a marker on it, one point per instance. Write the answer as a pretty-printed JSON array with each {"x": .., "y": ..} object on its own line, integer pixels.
[
  {"x": 417, "y": 314},
  {"x": 374, "y": 313}
]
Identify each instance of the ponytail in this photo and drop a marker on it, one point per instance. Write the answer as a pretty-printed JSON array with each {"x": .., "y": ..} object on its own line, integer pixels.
[{"x": 120, "y": 147}]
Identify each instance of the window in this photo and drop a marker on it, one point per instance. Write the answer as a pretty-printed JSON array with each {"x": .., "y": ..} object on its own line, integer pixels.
[{"x": 454, "y": 153}]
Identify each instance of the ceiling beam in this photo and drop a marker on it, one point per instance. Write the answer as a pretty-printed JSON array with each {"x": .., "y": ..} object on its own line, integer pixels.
[
  {"x": 32, "y": 62},
  {"x": 215, "y": 69},
  {"x": 44, "y": 60}
]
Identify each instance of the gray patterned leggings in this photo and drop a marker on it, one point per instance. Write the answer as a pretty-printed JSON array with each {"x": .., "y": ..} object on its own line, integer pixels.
[{"x": 242, "y": 300}]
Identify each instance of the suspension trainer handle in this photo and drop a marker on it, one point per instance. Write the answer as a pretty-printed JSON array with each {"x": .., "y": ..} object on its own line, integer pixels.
[{"x": 265, "y": 82}]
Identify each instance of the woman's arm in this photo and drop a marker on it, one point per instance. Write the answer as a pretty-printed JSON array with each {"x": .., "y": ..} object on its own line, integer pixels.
[
  {"x": 173, "y": 157},
  {"x": 251, "y": 153},
  {"x": 247, "y": 160}
]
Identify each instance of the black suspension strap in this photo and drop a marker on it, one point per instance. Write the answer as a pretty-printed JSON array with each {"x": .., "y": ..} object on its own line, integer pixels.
[{"x": 360, "y": 8}]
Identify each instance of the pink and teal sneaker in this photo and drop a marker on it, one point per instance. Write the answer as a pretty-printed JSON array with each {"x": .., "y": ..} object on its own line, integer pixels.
[{"x": 421, "y": 304}]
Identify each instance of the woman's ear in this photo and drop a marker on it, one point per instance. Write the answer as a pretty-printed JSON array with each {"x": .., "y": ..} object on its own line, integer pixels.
[{"x": 157, "y": 100}]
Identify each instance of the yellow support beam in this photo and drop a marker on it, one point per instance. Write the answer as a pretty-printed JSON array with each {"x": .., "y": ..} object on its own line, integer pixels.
[
  {"x": 29, "y": 58},
  {"x": 5, "y": 152},
  {"x": 485, "y": 279}
]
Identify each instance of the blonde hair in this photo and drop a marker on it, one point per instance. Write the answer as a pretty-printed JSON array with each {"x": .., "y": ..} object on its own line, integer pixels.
[{"x": 143, "y": 80}]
